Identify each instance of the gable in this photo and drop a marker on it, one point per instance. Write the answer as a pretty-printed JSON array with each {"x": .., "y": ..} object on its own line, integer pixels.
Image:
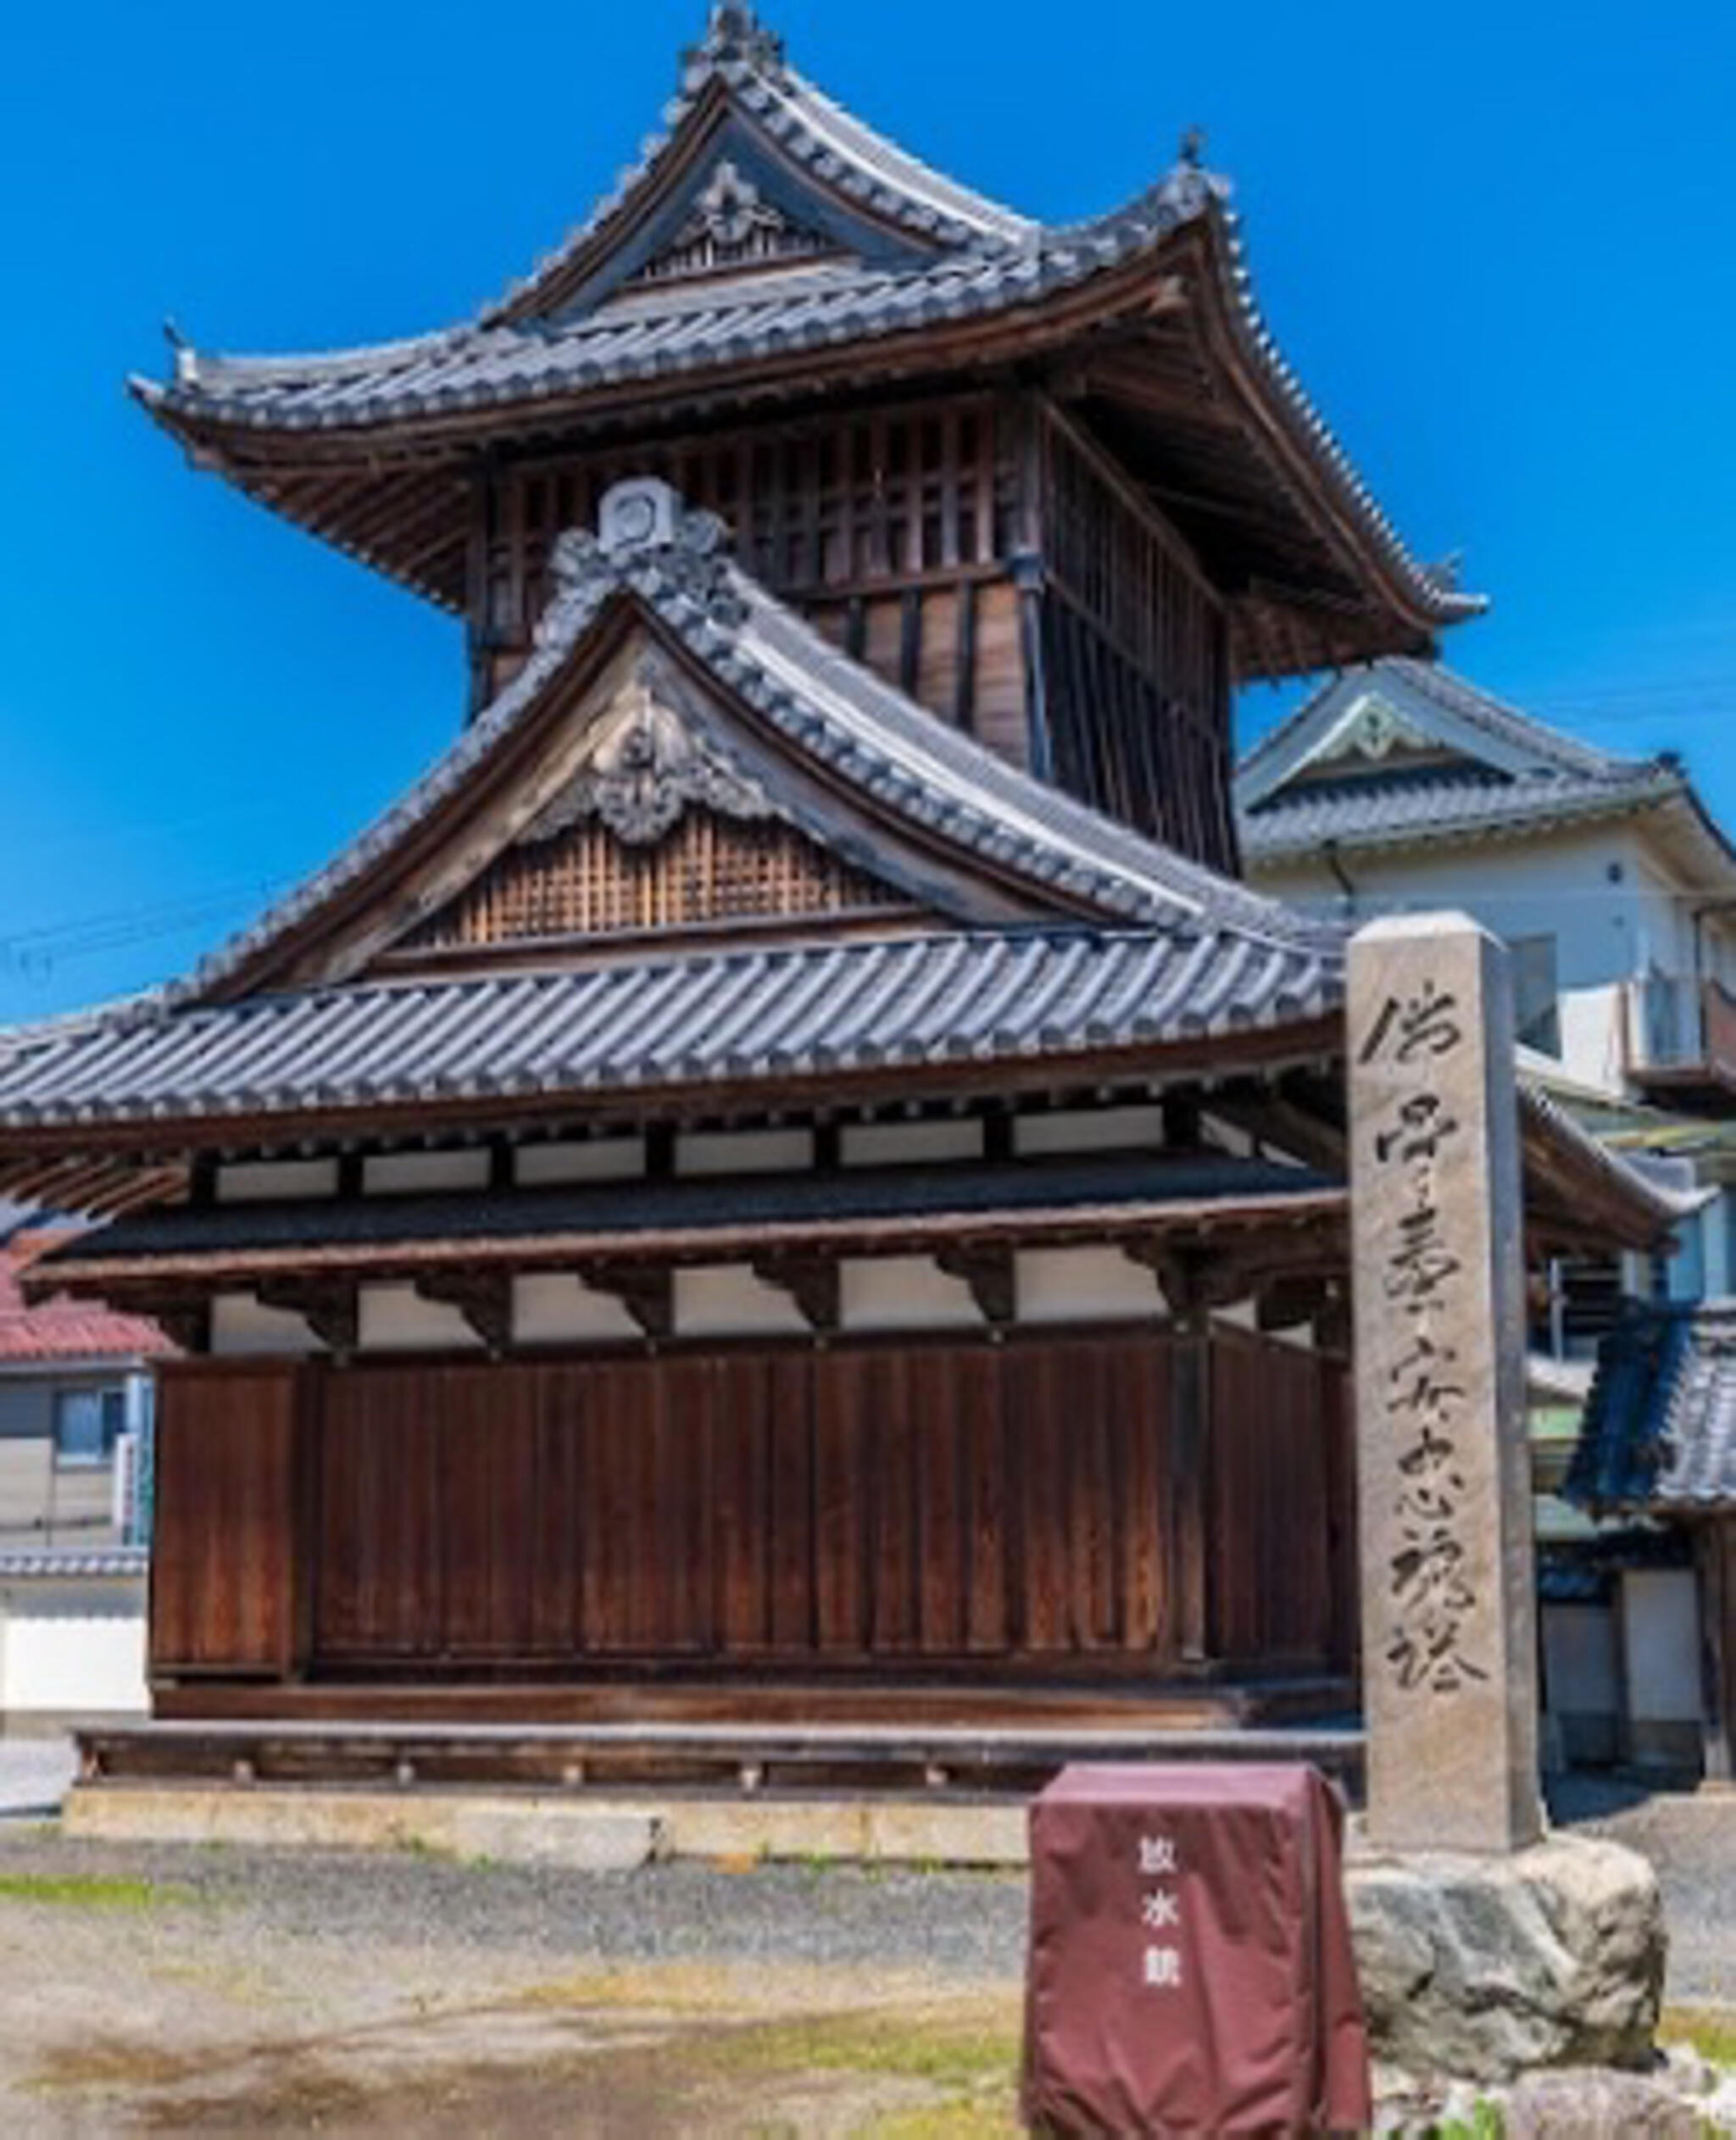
[
  {"x": 723, "y": 199},
  {"x": 643, "y": 805},
  {"x": 586, "y": 882}
]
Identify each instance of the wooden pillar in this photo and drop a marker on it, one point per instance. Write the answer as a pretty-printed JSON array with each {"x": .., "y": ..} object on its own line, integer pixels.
[
  {"x": 1190, "y": 1441},
  {"x": 1715, "y": 1557}
]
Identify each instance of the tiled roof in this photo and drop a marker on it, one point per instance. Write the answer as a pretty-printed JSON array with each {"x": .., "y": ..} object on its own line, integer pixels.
[
  {"x": 975, "y": 259},
  {"x": 1660, "y": 1426},
  {"x": 839, "y": 715},
  {"x": 96, "y": 1564},
  {"x": 812, "y": 130},
  {"x": 1448, "y": 804},
  {"x": 1177, "y": 951},
  {"x": 1501, "y": 771},
  {"x": 793, "y": 1012},
  {"x": 879, "y": 1201},
  {"x": 63, "y": 1330}
]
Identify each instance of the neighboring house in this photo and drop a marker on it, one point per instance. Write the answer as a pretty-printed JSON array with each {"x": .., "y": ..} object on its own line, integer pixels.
[
  {"x": 76, "y": 1397},
  {"x": 1400, "y": 786},
  {"x": 1659, "y": 1445}
]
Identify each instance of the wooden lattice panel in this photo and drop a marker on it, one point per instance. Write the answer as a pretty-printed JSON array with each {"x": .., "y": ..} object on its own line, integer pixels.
[{"x": 586, "y": 882}]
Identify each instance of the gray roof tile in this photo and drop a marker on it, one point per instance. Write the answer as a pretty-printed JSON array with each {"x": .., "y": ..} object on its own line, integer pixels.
[
  {"x": 790, "y": 1012},
  {"x": 1502, "y": 771},
  {"x": 1659, "y": 1429},
  {"x": 830, "y": 709}
]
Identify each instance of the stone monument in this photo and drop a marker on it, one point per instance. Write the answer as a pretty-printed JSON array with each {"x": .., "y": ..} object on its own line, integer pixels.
[{"x": 1449, "y": 1671}]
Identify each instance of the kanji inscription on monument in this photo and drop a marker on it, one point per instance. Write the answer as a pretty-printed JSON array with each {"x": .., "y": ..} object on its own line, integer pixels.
[{"x": 1448, "y": 1646}]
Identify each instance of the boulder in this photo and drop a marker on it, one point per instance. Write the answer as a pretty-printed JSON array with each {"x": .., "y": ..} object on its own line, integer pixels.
[{"x": 1487, "y": 1968}]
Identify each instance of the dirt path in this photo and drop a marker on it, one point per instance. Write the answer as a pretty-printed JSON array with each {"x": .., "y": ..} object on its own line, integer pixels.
[{"x": 228, "y": 1992}]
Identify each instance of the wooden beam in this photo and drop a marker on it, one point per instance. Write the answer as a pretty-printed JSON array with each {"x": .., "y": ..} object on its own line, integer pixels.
[
  {"x": 482, "y": 1297},
  {"x": 988, "y": 1269},
  {"x": 183, "y": 1318},
  {"x": 812, "y": 1281},
  {"x": 647, "y": 1292},
  {"x": 330, "y": 1307}
]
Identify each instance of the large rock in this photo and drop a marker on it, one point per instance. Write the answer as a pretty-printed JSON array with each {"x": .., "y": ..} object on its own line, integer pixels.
[{"x": 1490, "y": 1967}]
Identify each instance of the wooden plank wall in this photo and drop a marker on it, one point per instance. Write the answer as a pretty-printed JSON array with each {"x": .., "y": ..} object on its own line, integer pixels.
[
  {"x": 889, "y": 528},
  {"x": 227, "y": 1522},
  {"x": 876, "y": 1508},
  {"x": 1136, "y": 657}
]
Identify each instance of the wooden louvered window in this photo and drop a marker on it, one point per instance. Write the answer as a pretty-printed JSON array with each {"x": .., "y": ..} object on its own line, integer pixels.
[{"x": 587, "y": 883}]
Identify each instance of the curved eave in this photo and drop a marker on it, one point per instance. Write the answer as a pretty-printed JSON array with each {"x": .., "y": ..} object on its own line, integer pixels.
[
  {"x": 928, "y": 327},
  {"x": 789, "y": 118},
  {"x": 1302, "y": 441},
  {"x": 1309, "y": 843}
]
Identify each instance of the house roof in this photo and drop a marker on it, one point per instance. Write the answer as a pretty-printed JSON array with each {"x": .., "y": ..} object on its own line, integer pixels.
[
  {"x": 1402, "y": 752},
  {"x": 1051, "y": 930},
  {"x": 61, "y": 1330},
  {"x": 898, "y": 254},
  {"x": 938, "y": 784},
  {"x": 789, "y": 1012},
  {"x": 881, "y": 1210},
  {"x": 1659, "y": 1428}
]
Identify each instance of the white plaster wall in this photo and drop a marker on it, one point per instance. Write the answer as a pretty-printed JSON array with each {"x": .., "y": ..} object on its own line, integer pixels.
[
  {"x": 910, "y": 1143},
  {"x": 1661, "y": 1631},
  {"x": 616, "y": 1158},
  {"x": 397, "y": 1174},
  {"x": 241, "y": 1329},
  {"x": 557, "y": 1309},
  {"x": 1595, "y": 1034},
  {"x": 271, "y": 1181},
  {"x": 396, "y": 1319},
  {"x": 728, "y": 1301},
  {"x": 1580, "y": 1660},
  {"x": 73, "y": 1649},
  {"x": 1557, "y": 886},
  {"x": 1084, "y": 1285},
  {"x": 905, "y": 1293},
  {"x": 1104, "y": 1129},
  {"x": 744, "y": 1152}
]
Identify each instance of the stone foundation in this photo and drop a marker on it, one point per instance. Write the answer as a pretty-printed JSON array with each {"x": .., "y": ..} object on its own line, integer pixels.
[{"x": 1486, "y": 1968}]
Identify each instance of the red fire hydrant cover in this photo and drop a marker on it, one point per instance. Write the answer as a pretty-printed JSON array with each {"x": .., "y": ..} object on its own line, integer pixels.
[{"x": 1190, "y": 1967}]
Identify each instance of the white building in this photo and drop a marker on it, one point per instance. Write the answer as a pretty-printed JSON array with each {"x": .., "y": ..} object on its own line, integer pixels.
[
  {"x": 1401, "y": 787},
  {"x": 74, "y": 1406}
]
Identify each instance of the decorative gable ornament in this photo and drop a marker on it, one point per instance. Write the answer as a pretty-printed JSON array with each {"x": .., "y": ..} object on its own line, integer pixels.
[
  {"x": 644, "y": 514},
  {"x": 644, "y": 769},
  {"x": 1371, "y": 727},
  {"x": 731, "y": 225}
]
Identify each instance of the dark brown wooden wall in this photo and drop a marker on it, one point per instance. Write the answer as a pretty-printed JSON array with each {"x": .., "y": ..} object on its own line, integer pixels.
[
  {"x": 223, "y": 1594},
  {"x": 881, "y": 1508},
  {"x": 890, "y": 528},
  {"x": 983, "y": 553},
  {"x": 1135, "y": 655}
]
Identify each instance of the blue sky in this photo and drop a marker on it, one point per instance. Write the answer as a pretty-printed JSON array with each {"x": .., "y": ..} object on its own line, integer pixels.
[{"x": 1494, "y": 241}]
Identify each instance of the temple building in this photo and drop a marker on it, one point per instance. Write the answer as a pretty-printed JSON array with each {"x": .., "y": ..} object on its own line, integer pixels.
[{"x": 788, "y": 1177}]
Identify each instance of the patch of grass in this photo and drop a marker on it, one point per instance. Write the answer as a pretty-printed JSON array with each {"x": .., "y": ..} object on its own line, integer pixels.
[
  {"x": 962, "y": 2055},
  {"x": 1709, "y": 2030},
  {"x": 67, "y": 1890},
  {"x": 958, "y": 2119},
  {"x": 1485, "y": 2122}
]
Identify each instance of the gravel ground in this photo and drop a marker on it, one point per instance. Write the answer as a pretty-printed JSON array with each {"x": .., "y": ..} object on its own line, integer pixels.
[
  {"x": 1691, "y": 1840},
  {"x": 177, "y": 1988}
]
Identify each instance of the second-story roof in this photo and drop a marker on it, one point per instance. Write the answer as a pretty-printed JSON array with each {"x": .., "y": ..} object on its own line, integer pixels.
[
  {"x": 1404, "y": 753},
  {"x": 765, "y": 246}
]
